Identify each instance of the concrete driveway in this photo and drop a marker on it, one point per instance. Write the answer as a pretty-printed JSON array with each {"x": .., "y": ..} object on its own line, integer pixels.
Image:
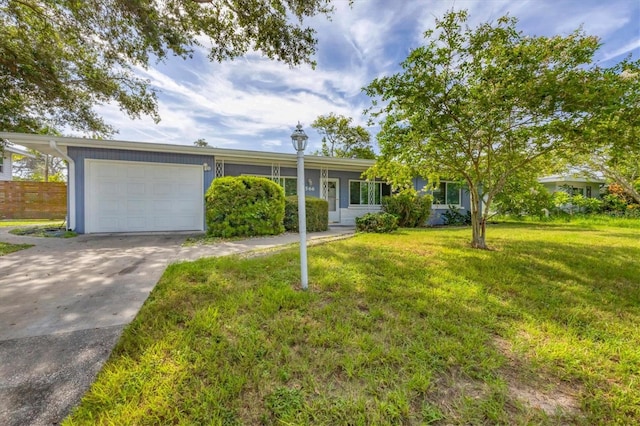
[{"x": 64, "y": 303}]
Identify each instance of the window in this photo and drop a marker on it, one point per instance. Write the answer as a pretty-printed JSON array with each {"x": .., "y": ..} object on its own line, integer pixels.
[
  {"x": 589, "y": 192},
  {"x": 359, "y": 192},
  {"x": 290, "y": 184},
  {"x": 577, "y": 191},
  {"x": 447, "y": 193},
  {"x": 1, "y": 164}
]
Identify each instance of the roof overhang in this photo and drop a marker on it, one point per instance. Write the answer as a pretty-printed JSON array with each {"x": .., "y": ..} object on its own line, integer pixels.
[
  {"x": 16, "y": 150},
  {"x": 571, "y": 178},
  {"x": 41, "y": 143}
]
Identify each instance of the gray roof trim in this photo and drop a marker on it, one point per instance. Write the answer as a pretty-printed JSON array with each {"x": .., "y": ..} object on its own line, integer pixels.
[{"x": 234, "y": 156}]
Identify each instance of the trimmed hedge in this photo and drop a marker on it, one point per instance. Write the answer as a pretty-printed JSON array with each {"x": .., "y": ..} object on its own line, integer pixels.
[
  {"x": 244, "y": 206},
  {"x": 411, "y": 209},
  {"x": 317, "y": 211},
  {"x": 377, "y": 222}
]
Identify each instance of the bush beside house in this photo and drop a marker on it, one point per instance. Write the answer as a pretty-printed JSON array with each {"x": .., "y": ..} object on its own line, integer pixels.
[
  {"x": 410, "y": 208},
  {"x": 317, "y": 212},
  {"x": 244, "y": 206},
  {"x": 379, "y": 222}
]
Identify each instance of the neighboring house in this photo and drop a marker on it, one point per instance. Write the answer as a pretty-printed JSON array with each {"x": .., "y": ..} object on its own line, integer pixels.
[
  {"x": 573, "y": 184},
  {"x": 122, "y": 186},
  {"x": 6, "y": 161}
]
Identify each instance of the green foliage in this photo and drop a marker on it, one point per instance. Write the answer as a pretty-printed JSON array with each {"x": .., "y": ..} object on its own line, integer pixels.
[
  {"x": 616, "y": 130},
  {"x": 61, "y": 58},
  {"x": 53, "y": 231},
  {"x": 6, "y": 248},
  {"x": 587, "y": 205},
  {"x": 316, "y": 210},
  {"x": 201, "y": 142},
  {"x": 613, "y": 203},
  {"x": 380, "y": 222},
  {"x": 617, "y": 201},
  {"x": 342, "y": 139},
  {"x": 561, "y": 198},
  {"x": 523, "y": 197},
  {"x": 284, "y": 404},
  {"x": 411, "y": 209},
  {"x": 244, "y": 206},
  {"x": 453, "y": 217},
  {"x": 482, "y": 104}
]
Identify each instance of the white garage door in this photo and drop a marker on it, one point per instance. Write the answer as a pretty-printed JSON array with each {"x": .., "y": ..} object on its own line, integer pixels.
[{"x": 129, "y": 196}]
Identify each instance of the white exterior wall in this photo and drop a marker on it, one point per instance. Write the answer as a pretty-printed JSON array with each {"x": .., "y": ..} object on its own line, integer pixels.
[
  {"x": 6, "y": 167},
  {"x": 348, "y": 215},
  {"x": 560, "y": 186}
]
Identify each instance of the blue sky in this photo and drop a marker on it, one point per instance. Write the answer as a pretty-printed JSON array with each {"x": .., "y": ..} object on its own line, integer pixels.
[{"x": 253, "y": 103}]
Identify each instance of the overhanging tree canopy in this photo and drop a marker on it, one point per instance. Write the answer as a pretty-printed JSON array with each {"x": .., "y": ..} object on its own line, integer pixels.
[
  {"x": 58, "y": 59},
  {"x": 340, "y": 138},
  {"x": 616, "y": 131},
  {"x": 484, "y": 105}
]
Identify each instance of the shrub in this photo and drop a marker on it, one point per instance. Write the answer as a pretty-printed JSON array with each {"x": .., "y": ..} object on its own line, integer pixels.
[
  {"x": 453, "y": 217},
  {"x": 317, "y": 211},
  {"x": 587, "y": 205},
  {"x": 377, "y": 222},
  {"x": 411, "y": 209},
  {"x": 523, "y": 199},
  {"x": 244, "y": 206}
]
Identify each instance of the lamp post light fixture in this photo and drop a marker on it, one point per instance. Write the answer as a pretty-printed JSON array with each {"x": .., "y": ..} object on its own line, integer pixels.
[{"x": 299, "y": 141}]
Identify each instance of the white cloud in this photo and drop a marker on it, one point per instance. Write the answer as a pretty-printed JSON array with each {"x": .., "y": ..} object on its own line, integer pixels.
[
  {"x": 253, "y": 102},
  {"x": 623, "y": 50}
]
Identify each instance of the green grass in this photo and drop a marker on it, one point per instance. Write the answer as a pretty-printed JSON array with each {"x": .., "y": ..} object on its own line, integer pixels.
[
  {"x": 6, "y": 248},
  {"x": 56, "y": 231},
  {"x": 584, "y": 220},
  {"x": 29, "y": 222},
  {"x": 408, "y": 328}
]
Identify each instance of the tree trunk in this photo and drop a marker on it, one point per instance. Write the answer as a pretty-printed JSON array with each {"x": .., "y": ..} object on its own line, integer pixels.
[{"x": 478, "y": 222}]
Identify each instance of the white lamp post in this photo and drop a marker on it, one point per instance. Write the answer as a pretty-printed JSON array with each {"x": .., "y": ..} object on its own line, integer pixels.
[{"x": 299, "y": 141}]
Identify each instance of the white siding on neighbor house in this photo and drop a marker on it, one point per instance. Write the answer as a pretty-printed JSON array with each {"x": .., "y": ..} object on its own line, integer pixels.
[
  {"x": 561, "y": 186},
  {"x": 5, "y": 173}
]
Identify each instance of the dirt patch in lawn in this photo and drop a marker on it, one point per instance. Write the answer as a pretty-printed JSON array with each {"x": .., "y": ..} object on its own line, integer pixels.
[
  {"x": 540, "y": 392},
  {"x": 525, "y": 392}
]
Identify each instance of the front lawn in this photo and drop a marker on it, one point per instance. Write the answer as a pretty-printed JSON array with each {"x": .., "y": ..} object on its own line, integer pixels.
[
  {"x": 410, "y": 328},
  {"x": 6, "y": 248}
]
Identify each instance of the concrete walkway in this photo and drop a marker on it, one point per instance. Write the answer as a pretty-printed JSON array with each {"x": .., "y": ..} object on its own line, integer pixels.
[{"x": 64, "y": 303}]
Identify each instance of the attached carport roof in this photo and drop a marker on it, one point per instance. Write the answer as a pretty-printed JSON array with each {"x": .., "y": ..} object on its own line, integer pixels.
[{"x": 236, "y": 156}]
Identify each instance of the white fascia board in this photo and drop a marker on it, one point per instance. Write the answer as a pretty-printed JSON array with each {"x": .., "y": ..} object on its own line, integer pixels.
[
  {"x": 553, "y": 179},
  {"x": 235, "y": 156},
  {"x": 18, "y": 151}
]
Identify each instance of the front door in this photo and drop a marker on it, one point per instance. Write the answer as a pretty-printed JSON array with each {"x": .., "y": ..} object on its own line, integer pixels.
[{"x": 333, "y": 197}]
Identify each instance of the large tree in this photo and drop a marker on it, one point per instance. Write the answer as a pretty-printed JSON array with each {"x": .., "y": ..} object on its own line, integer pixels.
[
  {"x": 58, "y": 59},
  {"x": 484, "y": 105},
  {"x": 616, "y": 131},
  {"x": 340, "y": 138}
]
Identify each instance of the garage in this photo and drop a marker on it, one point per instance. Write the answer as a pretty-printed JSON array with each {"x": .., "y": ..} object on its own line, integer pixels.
[{"x": 131, "y": 196}]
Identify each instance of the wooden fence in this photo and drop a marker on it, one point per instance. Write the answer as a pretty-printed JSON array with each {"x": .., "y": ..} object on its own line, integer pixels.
[{"x": 33, "y": 200}]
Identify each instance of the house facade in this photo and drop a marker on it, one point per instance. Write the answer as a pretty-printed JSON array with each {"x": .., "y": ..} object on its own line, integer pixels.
[
  {"x": 123, "y": 186},
  {"x": 573, "y": 184}
]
